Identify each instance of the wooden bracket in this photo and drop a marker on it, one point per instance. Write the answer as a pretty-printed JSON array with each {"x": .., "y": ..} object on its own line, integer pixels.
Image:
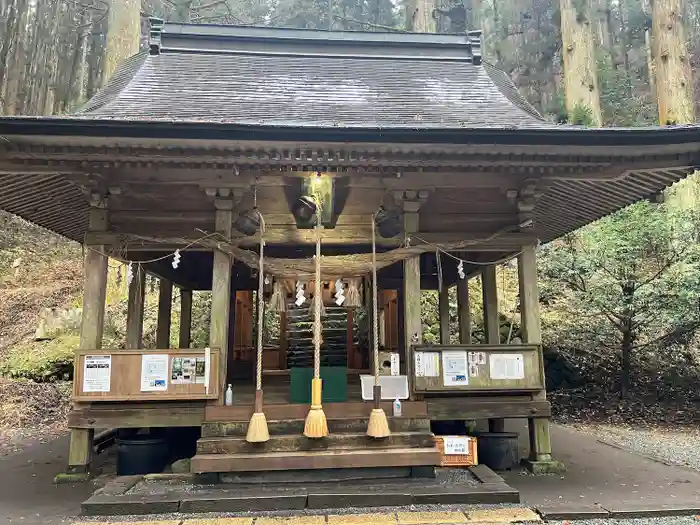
[
  {"x": 525, "y": 199},
  {"x": 225, "y": 198}
]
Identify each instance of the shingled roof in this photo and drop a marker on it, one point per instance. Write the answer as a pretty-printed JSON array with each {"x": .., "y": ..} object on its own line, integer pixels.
[{"x": 302, "y": 78}]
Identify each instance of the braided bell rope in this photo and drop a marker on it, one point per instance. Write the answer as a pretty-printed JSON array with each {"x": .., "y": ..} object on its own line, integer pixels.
[
  {"x": 317, "y": 305},
  {"x": 375, "y": 308},
  {"x": 261, "y": 309}
]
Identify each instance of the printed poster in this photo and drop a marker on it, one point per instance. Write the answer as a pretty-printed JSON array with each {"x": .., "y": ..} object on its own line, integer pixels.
[
  {"x": 427, "y": 364},
  {"x": 199, "y": 370},
  {"x": 183, "y": 371},
  {"x": 97, "y": 373},
  {"x": 507, "y": 366},
  {"x": 454, "y": 368},
  {"x": 154, "y": 373}
]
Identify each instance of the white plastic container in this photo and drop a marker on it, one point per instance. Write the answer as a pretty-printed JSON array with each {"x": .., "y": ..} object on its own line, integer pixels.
[
  {"x": 397, "y": 408},
  {"x": 229, "y": 396}
]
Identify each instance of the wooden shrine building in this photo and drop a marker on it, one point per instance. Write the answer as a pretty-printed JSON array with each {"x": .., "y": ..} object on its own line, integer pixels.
[{"x": 189, "y": 136}]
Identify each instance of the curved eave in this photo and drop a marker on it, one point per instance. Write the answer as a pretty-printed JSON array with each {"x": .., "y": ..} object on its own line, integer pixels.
[{"x": 554, "y": 136}]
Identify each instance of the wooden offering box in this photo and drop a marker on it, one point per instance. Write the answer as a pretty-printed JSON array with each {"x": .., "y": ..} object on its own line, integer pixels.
[{"x": 146, "y": 375}]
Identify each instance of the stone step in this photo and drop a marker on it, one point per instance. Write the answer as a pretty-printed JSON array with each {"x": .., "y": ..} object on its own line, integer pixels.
[
  {"x": 296, "y": 426},
  {"x": 297, "y": 442},
  {"x": 319, "y": 459}
]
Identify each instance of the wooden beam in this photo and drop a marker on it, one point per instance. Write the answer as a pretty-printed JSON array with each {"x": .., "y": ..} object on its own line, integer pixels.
[
  {"x": 444, "y": 311},
  {"x": 272, "y": 220},
  {"x": 134, "y": 313},
  {"x": 464, "y": 312},
  {"x": 490, "y": 297},
  {"x": 165, "y": 303},
  {"x": 401, "y": 179},
  {"x": 221, "y": 292},
  {"x": 505, "y": 242},
  {"x": 185, "y": 318}
]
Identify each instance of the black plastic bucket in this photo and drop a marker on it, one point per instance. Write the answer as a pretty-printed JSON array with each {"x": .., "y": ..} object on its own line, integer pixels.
[
  {"x": 498, "y": 450},
  {"x": 141, "y": 455}
]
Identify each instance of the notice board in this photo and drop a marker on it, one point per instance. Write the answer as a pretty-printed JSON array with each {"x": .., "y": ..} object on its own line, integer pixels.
[
  {"x": 146, "y": 374},
  {"x": 480, "y": 368}
]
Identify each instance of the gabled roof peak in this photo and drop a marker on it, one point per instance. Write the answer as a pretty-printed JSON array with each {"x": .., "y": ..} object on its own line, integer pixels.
[{"x": 167, "y": 37}]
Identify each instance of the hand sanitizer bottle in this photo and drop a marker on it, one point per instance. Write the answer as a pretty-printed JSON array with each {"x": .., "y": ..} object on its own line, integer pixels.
[
  {"x": 229, "y": 396},
  {"x": 397, "y": 407}
]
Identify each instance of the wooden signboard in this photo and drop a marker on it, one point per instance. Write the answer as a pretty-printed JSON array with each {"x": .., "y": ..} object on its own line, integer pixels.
[
  {"x": 476, "y": 368},
  {"x": 146, "y": 375}
]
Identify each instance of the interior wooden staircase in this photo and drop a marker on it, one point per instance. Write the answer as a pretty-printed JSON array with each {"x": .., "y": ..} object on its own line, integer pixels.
[{"x": 223, "y": 448}]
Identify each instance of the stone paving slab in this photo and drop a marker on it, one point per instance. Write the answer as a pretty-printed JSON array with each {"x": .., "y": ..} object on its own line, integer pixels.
[
  {"x": 129, "y": 496},
  {"x": 241, "y": 503},
  {"x": 572, "y": 511},
  {"x": 650, "y": 510}
]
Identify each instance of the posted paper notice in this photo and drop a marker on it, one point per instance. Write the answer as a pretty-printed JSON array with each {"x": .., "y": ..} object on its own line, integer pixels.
[
  {"x": 456, "y": 445},
  {"x": 154, "y": 373},
  {"x": 454, "y": 368},
  {"x": 97, "y": 373},
  {"x": 507, "y": 366},
  {"x": 427, "y": 364}
]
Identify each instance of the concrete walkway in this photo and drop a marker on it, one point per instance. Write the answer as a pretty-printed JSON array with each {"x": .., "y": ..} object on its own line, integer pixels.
[
  {"x": 599, "y": 474},
  {"x": 27, "y": 492}
]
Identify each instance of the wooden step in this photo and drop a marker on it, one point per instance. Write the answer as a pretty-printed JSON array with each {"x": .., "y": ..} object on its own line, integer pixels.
[
  {"x": 352, "y": 409},
  {"x": 325, "y": 459},
  {"x": 296, "y": 426},
  {"x": 297, "y": 442}
]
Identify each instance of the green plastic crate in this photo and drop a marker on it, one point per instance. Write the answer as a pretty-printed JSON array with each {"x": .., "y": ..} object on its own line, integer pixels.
[{"x": 335, "y": 384}]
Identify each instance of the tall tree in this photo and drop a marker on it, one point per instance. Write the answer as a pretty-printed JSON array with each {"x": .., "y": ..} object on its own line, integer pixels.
[
  {"x": 674, "y": 89},
  {"x": 419, "y": 16},
  {"x": 123, "y": 34},
  {"x": 580, "y": 68}
]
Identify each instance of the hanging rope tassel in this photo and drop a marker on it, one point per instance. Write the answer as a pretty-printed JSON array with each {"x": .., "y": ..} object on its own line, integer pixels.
[
  {"x": 316, "y": 425},
  {"x": 277, "y": 302},
  {"x": 257, "y": 428},
  {"x": 352, "y": 297},
  {"x": 378, "y": 426}
]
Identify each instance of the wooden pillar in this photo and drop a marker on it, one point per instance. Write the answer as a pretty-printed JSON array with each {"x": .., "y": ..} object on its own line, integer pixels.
[
  {"x": 413, "y": 329},
  {"x": 464, "y": 313},
  {"x": 221, "y": 292},
  {"x": 492, "y": 325},
  {"x": 531, "y": 331},
  {"x": 92, "y": 325},
  {"x": 134, "y": 311},
  {"x": 444, "y": 311},
  {"x": 185, "y": 318},
  {"x": 165, "y": 307},
  {"x": 490, "y": 298}
]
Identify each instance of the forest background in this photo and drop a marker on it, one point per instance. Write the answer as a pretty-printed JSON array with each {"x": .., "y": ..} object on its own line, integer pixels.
[{"x": 620, "y": 297}]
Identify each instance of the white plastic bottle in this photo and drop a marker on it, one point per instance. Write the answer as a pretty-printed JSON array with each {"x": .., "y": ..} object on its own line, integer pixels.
[
  {"x": 397, "y": 407},
  {"x": 229, "y": 396}
]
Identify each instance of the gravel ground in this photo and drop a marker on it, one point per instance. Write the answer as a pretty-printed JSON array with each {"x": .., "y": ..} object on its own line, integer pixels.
[{"x": 675, "y": 447}]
